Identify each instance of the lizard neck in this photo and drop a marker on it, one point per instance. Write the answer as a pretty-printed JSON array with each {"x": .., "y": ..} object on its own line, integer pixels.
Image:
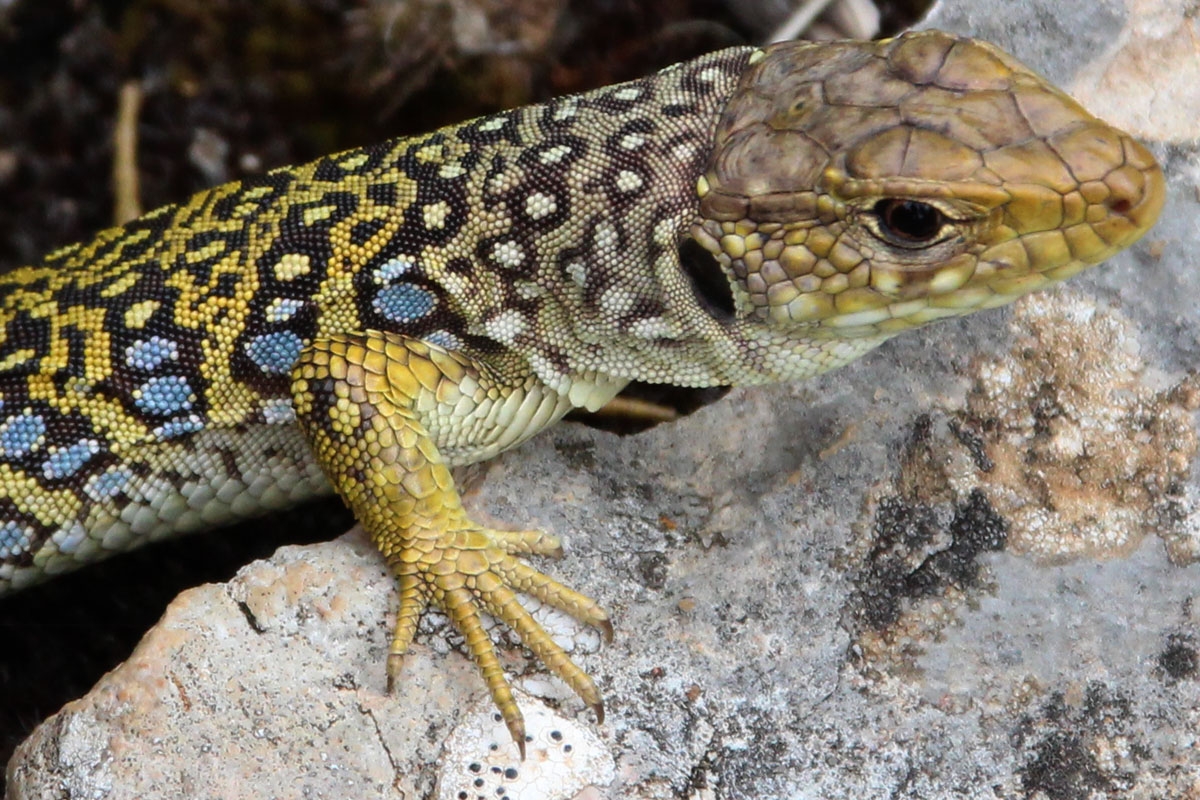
[
  {"x": 588, "y": 271},
  {"x": 585, "y": 201}
]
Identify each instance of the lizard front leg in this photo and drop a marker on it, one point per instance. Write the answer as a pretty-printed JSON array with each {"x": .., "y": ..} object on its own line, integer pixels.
[{"x": 371, "y": 404}]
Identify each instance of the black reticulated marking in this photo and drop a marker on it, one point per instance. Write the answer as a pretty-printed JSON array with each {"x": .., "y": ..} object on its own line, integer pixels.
[
  {"x": 552, "y": 187},
  {"x": 552, "y": 118},
  {"x": 362, "y": 232},
  {"x": 623, "y": 183},
  {"x": 697, "y": 86},
  {"x": 422, "y": 170},
  {"x": 67, "y": 428},
  {"x": 24, "y": 332},
  {"x": 677, "y": 110},
  {"x": 567, "y": 257},
  {"x": 333, "y": 169},
  {"x": 614, "y": 144},
  {"x": 227, "y": 285},
  {"x": 224, "y": 208},
  {"x": 644, "y": 308},
  {"x": 460, "y": 266},
  {"x": 72, "y": 428},
  {"x": 77, "y": 345},
  {"x": 556, "y": 151},
  {"x": 437, "y": 313},
  {"x": 150, "y": 286},
  {"x": 134, "y": 250},
  {"x": 343, "y": 204},
  {"x": 157, "y": 223},
  {"x": 493, "y": 129},
  {"x": 107, "y": 250},
  {"x": 708, "y": 280},
  {"x": 232, "y": 241},
  {"x": 541, "y": 197},
  {"x": 700, "y": 151},
  {"x": 596, "y": 278},
  {"x": 382, "y": 194},
  {"x": 431, "y": 192},
  {"x": 328, "y": 170},
  {"x": 63, "y": 256},
  {"x": 280, "y": 180},
  {"x": 35, "y": 286},
  {"x": 314, "y": 244},
  {"x": 303, "y": 323},
  {"x": 495, "y": 169},
  {"x": 482, "y": 345},
  {"x": 622, "y": 97},
  {"x": 628, "y": 179},
  {"x": 14, "y": 514}
]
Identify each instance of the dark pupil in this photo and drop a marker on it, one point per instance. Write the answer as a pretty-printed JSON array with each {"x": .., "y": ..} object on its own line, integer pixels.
[{"x": 909, "y": 220}]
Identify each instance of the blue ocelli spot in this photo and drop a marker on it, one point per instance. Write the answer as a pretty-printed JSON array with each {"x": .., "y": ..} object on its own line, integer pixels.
[
  {"x": 393, "y": 269},
  {"x": 404, "y": 302},
  {"x": 278, "y": 412},
  {"x": 283, "y": 308},
  {"x": 164, "y": 395},
  {"x": 179, "y": 427},
  {"x": 149, "y": 354},
  {"x": 275, "y": 353},
  {"x": 445, "y": 339},
  {"x": 109, "y": 484},
  {"x": 15, "y": 540},
  {"x": 68, "y": 460},
  {"x": 20, "y": 434}
]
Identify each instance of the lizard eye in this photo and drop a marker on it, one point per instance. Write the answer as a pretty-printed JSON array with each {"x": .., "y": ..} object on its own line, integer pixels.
[{"x": 908, "y": 223}]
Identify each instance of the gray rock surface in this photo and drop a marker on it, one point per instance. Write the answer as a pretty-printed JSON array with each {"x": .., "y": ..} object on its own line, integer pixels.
[{"x": 962, "y": 567}]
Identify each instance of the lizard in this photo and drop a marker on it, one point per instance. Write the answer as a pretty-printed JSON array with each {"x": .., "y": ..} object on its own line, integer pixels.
[{"x": 363, "y": 323}]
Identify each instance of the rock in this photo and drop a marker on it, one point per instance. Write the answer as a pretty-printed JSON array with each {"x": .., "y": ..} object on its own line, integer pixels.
[{"x": 925, "y": 575}]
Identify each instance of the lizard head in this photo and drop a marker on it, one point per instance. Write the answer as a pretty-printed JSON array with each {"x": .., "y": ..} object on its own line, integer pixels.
[{"x": 878, "y": 186}]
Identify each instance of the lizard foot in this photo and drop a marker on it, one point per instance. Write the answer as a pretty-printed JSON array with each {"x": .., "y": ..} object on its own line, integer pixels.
[
  {"x": 474, "y": 569},
  {"x": 367, "y": 402}
]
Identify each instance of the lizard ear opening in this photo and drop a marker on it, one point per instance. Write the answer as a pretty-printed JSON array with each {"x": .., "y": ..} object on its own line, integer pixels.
[{"x": 708, "y": 280}]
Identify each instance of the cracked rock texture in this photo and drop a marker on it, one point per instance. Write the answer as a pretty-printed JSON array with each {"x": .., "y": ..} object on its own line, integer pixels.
[{"x": 962, "y": 567}]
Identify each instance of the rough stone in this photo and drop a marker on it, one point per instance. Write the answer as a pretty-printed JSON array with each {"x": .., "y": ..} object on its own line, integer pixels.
[{"x": 820, "y": 590}]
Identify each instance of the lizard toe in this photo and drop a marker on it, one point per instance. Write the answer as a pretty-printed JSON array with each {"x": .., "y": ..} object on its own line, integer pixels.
[
  {"x": 502, "y": 603},
  {"x": 529, "y": 543}
]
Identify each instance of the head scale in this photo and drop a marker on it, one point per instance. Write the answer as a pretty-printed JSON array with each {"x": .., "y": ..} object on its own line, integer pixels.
[{"x": 878, "y": 186}]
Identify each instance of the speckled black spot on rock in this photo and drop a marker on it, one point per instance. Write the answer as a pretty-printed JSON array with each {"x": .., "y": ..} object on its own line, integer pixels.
[
  {"x": 917, "y": 554},
  {"x": 1179, "y": 660},
  {"x": 1063, "y": 743},
  {"x": 971, "y": 440},
  {"x": 652, "y": 570}
]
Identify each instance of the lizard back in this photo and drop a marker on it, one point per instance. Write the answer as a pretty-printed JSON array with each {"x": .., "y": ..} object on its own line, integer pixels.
[{"x": 144, "y": 374}]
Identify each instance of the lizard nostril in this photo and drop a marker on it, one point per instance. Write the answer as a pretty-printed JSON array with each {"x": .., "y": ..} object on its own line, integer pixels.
[{"x": 1122, "y": 205}]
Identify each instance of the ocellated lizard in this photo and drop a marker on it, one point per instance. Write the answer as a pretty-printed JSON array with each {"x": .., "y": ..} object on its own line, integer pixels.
[{"x": 365, "y": 322}]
